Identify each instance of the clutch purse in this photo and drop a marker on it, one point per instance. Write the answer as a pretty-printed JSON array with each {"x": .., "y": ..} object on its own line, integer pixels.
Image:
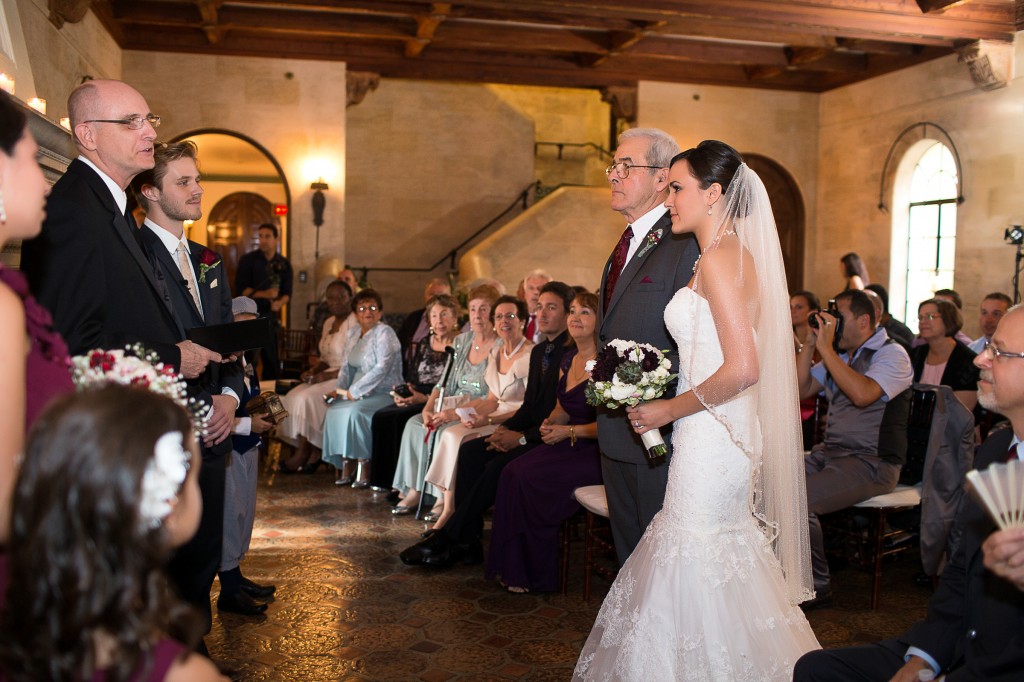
[{"x": 268, "y": 403}]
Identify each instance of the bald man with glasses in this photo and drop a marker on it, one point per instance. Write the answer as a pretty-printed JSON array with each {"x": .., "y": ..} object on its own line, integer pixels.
[{"x": 87, "y": 266}]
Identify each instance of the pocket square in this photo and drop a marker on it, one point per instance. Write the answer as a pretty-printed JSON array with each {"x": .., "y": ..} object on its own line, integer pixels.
[
  {"x": 213, "y": 284},
  {"x": 646, "y": 280}
]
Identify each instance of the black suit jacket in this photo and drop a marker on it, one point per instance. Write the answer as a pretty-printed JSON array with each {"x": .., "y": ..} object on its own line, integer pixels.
[
  {"x": 975, "y": 622},
  {"x": 541, "y": 389},
  {"x": 87, "y": 268},
  {"x": 960, "y": 373},
  {"x": 636, "y": 312},
  {"x": 215, "y": 297}
]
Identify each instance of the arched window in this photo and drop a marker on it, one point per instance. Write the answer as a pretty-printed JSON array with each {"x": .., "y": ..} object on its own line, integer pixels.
[{"x": 924, "y": 227}]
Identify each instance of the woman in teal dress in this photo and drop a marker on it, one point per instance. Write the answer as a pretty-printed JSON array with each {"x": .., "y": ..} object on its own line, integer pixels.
[
  {"x": 465, "y": 382},
  {"x": 373, "y": 367}
]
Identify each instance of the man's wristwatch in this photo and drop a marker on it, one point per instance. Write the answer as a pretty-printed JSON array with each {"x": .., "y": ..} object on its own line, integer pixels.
[{"x": 522, "y": 440}]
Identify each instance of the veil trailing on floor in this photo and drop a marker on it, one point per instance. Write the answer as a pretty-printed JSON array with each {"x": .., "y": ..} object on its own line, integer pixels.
[{"x": 778, "y": 493}]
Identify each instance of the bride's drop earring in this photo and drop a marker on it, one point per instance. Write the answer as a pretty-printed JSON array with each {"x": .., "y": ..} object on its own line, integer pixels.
[{"x": 709, "y": 209}]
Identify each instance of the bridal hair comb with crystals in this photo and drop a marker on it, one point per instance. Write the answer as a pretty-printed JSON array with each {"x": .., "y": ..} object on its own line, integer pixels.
[{"x": 1000, "y": 490}]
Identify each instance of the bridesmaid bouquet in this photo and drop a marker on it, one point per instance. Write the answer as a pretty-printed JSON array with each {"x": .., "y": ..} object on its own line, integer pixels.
[
  {"x": 134, "y": 366},
  {"x": 628, "y": 373}
]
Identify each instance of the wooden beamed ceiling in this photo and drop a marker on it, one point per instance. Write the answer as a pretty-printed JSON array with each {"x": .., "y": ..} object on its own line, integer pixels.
[{"x": 805, "y": 45}]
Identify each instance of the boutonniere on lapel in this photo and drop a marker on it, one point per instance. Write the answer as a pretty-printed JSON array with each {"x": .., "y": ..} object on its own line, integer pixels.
[
  {"x": 653, "y": 237},
  {"x": 207, "y": 261}
]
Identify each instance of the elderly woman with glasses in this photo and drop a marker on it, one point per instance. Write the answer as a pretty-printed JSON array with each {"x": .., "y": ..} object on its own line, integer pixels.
[
  {"x": 373, "y": 365},
  {"x": 943, "y": 360},
  {"x": 507, "y": 371}
]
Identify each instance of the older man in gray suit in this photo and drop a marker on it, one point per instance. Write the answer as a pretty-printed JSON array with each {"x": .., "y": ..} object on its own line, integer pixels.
[{"x": 649, "y": 264}]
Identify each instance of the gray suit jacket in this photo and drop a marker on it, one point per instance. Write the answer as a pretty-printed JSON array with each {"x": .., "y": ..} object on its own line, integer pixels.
[{"x": 636, "y": 312}]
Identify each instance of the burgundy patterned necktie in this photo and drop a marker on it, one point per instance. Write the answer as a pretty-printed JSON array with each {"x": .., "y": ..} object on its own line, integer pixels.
[
  {"x": 1011, "y": 454},
  {"x": 618, "y": 262}
]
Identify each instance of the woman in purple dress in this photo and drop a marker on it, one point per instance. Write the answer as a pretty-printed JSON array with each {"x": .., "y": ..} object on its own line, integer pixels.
[
  {"x": 32, "y": 355},
  {"x": 535, "y": 491}
]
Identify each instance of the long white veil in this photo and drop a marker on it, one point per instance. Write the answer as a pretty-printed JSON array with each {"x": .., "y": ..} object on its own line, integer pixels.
[{"x": 778, "y": 493}]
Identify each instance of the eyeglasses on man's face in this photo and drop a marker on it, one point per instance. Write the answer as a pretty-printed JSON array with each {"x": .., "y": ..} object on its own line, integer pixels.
[
  {"x": 622, "y": 168},
  {"x": 135, "y": 122},
  {"x": 364, "y": 308},
  {"x": 997, "y": 353}
]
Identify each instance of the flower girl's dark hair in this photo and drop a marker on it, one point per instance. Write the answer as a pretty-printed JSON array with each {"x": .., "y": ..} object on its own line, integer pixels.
[{"x": 82, "y": 567}]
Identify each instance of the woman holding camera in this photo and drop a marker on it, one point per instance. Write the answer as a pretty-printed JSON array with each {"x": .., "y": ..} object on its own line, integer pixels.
[{"x": 373, "y": 365}]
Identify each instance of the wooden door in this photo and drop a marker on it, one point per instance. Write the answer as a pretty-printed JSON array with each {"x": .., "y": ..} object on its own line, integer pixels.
[
  {"x": 235, "y": 221},
  {"x": 788, "y": 207}
]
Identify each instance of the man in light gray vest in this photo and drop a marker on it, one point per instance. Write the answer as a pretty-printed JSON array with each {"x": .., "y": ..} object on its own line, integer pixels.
[{"x": 647, "y": 267}]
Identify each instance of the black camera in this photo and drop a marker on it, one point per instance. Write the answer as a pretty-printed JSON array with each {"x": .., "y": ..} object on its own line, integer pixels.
[{"x": 832, "y": 310}]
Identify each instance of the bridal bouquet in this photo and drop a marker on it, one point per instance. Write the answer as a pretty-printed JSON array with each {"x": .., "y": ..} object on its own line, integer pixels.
[
  {"x": 134, "y": 366},
  {"x": 628, "y": 373}
]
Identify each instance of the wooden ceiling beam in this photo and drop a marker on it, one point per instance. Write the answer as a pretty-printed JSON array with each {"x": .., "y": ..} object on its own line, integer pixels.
[{"x": 426, "y": 26}]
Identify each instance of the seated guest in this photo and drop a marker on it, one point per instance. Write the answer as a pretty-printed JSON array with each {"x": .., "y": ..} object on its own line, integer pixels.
[
  {"x": 993, "y": 307},
  {"x": 99, "y": 504},
  {"x": 428, "y": 368},
  {"x": 535, "y": 491},
  {"x": 897, "y": 331},
  {"x": 465, "y": 382},
  {"x": 973, "y": 628},
  {"x": 531, "y": 285},
  {"x": 305, "y": 402},
  {"x": 416, "y": 326},
  {"x": 373, "y": 364},
  {"x": 801, "y": 305},
  {"x": 867, "y": 385},
  {"x": 238, "y": 593},
  {"x": 953, "y": 297},
  {"x": 482, "y": 460},
  {"x": 507, "y": 370},
  {"x": 944, "y": 360}
]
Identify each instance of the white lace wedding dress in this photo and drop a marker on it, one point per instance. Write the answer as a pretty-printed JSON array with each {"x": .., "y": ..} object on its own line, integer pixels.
[{"x": 702, "y": 597}]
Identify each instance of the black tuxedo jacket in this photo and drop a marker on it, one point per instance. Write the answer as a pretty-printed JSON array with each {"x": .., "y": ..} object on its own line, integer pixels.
[
  {"x": 541, "y": 389},
  {"x": 88, "y": 269},
  {"x": 636, "y": 312},
  {"x": 215, "y": 296},
  {"x": 975, "y": 622}
]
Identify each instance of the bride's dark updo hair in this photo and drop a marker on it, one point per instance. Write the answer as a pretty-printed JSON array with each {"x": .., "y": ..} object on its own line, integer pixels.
[{"x": 711, "y": 161}]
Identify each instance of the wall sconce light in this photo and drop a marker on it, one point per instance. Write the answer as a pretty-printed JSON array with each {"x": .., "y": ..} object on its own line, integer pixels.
[{"x": 319, "y": 201}]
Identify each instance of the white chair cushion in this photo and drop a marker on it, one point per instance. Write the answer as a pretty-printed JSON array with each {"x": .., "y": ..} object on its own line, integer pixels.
[
  {"x": 593, "y": 499},
  {"x": 901, "y": 496}
]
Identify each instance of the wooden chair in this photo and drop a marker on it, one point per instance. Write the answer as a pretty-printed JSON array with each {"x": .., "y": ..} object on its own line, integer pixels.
[
  {"x": 567, "y": 532},
  {"x": 596, "y": 535},
  {"x": 294, "y": 348}
]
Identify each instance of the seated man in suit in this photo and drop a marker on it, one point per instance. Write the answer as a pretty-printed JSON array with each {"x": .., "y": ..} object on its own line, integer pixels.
[
  {"x": 482, "y": 460},
  {"x": 974, "y": 629},
  {"x": 867, "y": 382}
]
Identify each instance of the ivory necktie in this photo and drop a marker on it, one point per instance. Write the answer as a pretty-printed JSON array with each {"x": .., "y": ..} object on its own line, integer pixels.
[
  {"x": 186, "y": 272},
  {"x": 618, "y": 262}
]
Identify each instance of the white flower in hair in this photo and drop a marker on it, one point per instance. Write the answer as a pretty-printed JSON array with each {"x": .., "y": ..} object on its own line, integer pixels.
[{"x": 163, "y": 478}]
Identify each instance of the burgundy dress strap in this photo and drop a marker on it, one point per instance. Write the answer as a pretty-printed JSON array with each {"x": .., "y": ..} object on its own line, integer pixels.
[{"x": 165, "y": 653}]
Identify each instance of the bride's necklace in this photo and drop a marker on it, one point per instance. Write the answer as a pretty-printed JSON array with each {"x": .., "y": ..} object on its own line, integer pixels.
[
  {"x": 708, "y": 247},
  {"x": 504, "y": 351}
]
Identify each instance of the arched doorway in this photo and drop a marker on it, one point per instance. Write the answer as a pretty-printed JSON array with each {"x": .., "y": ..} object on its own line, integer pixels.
[
  {"x": 244, "y": 184},
  {"x": 788, "y": 207},
  {"x": 232, "y": 225}
]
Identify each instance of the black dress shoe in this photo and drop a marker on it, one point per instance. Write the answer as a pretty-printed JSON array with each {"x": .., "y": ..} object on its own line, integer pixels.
[
  {"x": 257, "y": 591},
  {"x": 240, "y": 603},
  {"x": 469, "y": 554},
  {"x": 418, "y": 554}
]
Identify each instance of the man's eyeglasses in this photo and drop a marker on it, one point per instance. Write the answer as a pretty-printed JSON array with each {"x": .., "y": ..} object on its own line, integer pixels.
[
  {"x": 996, "y": 353},
  {"x": 621, "y": 169},
  {"x": 133, "y": 122},
  {"x": 364, "y": 308}
]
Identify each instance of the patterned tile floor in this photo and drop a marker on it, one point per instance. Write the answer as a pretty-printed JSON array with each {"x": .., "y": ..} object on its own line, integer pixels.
[{"x": 348, "y": 609}]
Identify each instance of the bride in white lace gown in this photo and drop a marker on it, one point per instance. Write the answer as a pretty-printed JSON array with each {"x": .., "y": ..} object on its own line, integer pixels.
[{"x": 712, "y": 590}]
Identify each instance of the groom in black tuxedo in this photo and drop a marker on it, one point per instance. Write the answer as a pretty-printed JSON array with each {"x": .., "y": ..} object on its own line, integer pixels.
[
  {"x": 86, "y": 266},
  {"x": 974, "y": 629},
  {"x": 199, "y": 295},
  {"x": 647, "y": 267}
]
